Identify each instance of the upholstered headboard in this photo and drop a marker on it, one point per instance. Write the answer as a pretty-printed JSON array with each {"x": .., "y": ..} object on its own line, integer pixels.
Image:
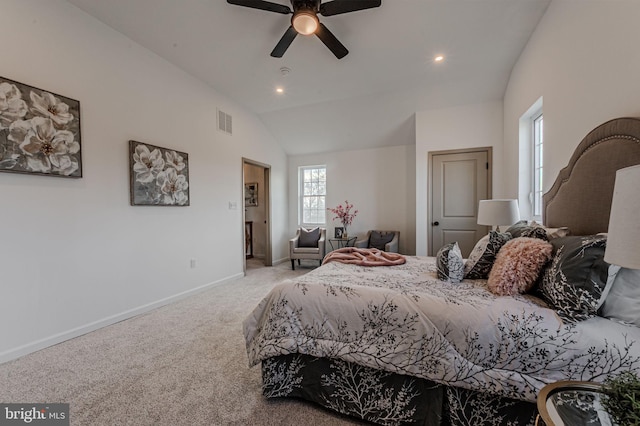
[{"x": 581, "y": 196}]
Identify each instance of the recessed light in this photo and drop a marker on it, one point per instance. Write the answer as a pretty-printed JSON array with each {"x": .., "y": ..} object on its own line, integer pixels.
[
  {"x": 279, "y": 90},
  {"x": 439, "y": 58}
]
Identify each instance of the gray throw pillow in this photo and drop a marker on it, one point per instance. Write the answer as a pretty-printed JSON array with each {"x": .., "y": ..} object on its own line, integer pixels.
[
  {"x": 517, "y": 228},
  {"x": 574, "y": 280},
  {"x": 535, "y": 232},
  {"x": 380, "y": 239},
  {"x": 622, "y": 304},
  {"x": 522, "y": 229},
  {"x": 450, "y": 264},
  {"x": 481, "y": 259},
  {"x": 309, "y": 237}
]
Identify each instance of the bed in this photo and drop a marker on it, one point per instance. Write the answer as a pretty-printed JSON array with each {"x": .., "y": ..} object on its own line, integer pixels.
[{"x": 396, "y": 345}]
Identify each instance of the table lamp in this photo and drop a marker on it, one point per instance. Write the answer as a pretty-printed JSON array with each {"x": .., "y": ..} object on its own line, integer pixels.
[
  {"x": 498, "y": 212},
  {"x": 623, "y": 239}
]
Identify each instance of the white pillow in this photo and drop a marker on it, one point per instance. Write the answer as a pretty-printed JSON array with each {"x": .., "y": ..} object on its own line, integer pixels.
[{"x": 622, "y": 304}]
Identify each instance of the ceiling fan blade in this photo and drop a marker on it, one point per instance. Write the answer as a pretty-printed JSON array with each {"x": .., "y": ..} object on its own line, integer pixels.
[
  {"x": 262, "y": 5},
  {"x": 336, "y": 7},
  {"x": 284, "y": 43},
  {"x": 331, "y": 41}
]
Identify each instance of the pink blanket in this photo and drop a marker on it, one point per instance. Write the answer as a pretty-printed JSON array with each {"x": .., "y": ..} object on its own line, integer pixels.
[{"x": 364, "y": 257}]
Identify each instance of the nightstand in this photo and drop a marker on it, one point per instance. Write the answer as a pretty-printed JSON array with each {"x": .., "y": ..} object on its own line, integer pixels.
[
  {"x": 342, "y": 242},
  {"x": 571, "y": 403}
]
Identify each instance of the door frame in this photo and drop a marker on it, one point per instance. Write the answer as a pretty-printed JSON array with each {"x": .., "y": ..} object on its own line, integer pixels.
[
  {"x": 268, "y": 261},
  {"x": 430, "y": 155}
]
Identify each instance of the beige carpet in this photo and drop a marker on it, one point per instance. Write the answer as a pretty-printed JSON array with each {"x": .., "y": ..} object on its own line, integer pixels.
[{"x": 182, "y": 364}]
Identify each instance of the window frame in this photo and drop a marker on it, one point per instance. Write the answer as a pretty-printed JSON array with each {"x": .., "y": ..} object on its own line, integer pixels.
[
  {"x": 526, "y": 163},
  {"x": 537, "y": 163},
  {"x": 302, "y": 196}
]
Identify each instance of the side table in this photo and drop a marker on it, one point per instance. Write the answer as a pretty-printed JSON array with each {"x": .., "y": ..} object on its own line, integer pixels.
[
  {"x": 572, "y": 403},
  {"x": 337, "y": 243}
]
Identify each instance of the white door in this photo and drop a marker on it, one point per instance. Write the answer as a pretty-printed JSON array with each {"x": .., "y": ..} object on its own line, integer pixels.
[
  {"x": 257, "y": 212},
  {"x": 458, "y": 182}
]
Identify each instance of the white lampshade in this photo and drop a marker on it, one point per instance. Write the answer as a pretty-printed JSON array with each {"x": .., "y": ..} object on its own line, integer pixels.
[
  {"x": 623, "y": 240},
  {"x": 498, "y": 212}
]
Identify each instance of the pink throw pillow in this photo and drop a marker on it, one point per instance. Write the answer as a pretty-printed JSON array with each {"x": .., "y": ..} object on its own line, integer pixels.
[{"x": 518, "y": 265}]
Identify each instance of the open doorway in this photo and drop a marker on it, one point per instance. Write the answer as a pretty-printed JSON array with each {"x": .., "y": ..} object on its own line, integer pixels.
[{"x": 256, "y": 224}]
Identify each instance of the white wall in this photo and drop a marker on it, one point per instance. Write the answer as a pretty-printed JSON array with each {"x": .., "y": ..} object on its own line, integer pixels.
[
  {"x": 583, "y": 60},
  {"x": 467, "y": 126},
  {"x": 74, "y": 254},
  {"x": 380, "y": 183}
]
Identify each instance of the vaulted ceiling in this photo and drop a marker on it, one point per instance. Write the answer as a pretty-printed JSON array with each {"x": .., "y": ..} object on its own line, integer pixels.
[{"x": 368, "y": 98}]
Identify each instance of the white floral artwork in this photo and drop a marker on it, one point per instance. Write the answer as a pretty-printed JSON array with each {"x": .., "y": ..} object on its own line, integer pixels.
[
  {"x": 39, "y": 131},
  {"x": 159, "y": 176}
]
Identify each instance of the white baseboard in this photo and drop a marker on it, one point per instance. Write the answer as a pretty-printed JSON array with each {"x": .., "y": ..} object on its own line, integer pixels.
[
  {"x": 84, "y": 329},
  {"x": 279, "y": 261}
]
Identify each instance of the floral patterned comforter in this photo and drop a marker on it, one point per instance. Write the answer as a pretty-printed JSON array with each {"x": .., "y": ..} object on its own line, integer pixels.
[{"x": 402, "y": 319}]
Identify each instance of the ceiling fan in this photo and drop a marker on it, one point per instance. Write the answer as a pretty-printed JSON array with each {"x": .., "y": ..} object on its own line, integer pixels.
[{"x": 305, "y": 19}]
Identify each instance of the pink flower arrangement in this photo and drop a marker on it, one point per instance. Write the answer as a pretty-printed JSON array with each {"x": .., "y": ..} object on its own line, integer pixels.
[{"x": 343, "y": 213}]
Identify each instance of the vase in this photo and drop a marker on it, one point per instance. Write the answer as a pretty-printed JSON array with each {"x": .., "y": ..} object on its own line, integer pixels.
[{"x": 344, "y": 232}]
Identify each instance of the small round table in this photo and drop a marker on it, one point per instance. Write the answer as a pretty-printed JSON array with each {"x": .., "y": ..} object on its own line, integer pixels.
[
  {"x": 572, "y": 403},
  {"x": 342, "y": 242}
]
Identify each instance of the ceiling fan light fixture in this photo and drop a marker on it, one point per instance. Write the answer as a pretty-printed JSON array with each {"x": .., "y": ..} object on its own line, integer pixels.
[{"x": 305, "y": 22}]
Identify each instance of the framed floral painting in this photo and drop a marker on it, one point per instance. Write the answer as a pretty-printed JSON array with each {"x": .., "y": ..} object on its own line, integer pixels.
[
  {"x": 159, "y": 176},
  {"x": 39, "y": 131}
]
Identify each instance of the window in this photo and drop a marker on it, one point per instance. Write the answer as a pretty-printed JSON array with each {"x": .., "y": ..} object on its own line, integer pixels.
[
  {"x": 312, "y": 193},
  {"x": 538, "y": 141},
  {"x": 530, "y": 163}
]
